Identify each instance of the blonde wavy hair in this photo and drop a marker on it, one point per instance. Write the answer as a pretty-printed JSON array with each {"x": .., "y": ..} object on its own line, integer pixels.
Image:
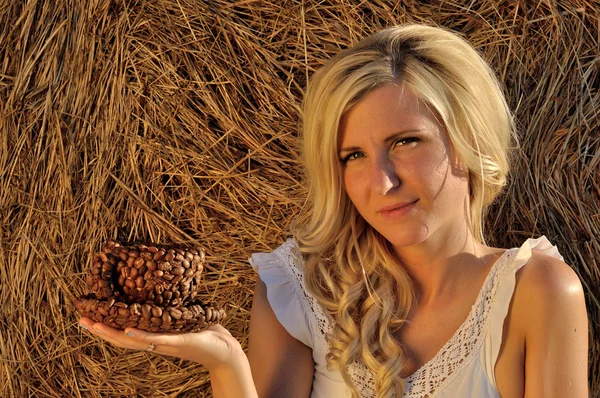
[{"x": 349, "y": 267}]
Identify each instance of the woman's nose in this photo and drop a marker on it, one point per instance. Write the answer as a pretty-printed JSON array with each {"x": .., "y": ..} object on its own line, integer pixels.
[{"x": 383, "y": 175}]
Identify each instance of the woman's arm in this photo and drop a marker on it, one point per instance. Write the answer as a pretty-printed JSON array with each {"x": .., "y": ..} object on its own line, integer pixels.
[
  {"x": 556, "y": 329},
  {"x": 281, "y": 365}
]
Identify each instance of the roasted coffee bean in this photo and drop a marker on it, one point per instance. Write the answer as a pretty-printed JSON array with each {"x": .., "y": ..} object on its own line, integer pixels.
[
  {"x": 187, "y": 315},
  {"x": 158, "y": 256},
  {"x": 133, "y": 274},
  {"x": 189, "y": 256},
  {"x": 146, "y": 311},
  {"x": 178, "y": 271},
  {"x": 167, "y": 295},
  {"x": 188, "y": 272},
  {"x": 123, "y": 255},
  {"x": 176, "y": 279},
  {"x": 151, "y": 265},
  {"x": 130, "y": 262},
  {"x": 153, "y": 249},
  {"x": 96, "y": 271},
  {"x": 158, "y": 273},
  {"x": 156, "y": 321},
  {"x": 146, "y": 255},
  {"x": 130, "y": 284},
  {"x": 158, "y": 299},
  {"x": 135, "y": 309},
  {"x": 139, "y": 282},
  {"x": 176, "y": 301},
  {"x": 157, "y": 311},
  {"x": 107, "y": 267},
  {"x": 134, "y": 253},
  {"x": 159, "y": 289},
  {"x": 175, "y": 313},
  {"x": 143, "y": 270},
  {"x": 169, "y": 256},
  {"x": 139, "y": 262},
  {"x": 209, "y": 314},
  {"x": 121, "y": 280},
  {"x": 166, "y": 318},
  {"x": 126, "y": 289},
  {"x": 168, "y": 276},
  {"x": 126, "y": 271},
  {"x": 124, "y": 312},
  {"x": 103, "y": 257},
  {"x": 103, "y": 311},
  {"x": 165, "y": 266}
]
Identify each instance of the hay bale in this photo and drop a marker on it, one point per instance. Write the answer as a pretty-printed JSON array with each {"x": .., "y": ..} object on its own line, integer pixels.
[{"x": 176, "y": 122}]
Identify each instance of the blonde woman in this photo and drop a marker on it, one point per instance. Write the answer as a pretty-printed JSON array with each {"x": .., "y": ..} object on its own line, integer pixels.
[{"x": 388, "y": 287}]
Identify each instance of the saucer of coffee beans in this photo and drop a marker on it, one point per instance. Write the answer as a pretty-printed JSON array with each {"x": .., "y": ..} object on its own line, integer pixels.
[{"x": 151, "y": 287}]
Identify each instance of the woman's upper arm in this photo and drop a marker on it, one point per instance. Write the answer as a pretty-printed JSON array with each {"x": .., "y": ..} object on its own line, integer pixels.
[
  {"x": 556, "y": 335},
  {"x": 281, "y": 365}
]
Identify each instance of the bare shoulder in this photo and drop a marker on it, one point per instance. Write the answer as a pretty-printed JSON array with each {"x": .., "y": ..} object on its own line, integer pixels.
[
  {"x": 549, "y": 308},
  {"x": 548, "y": 279}
]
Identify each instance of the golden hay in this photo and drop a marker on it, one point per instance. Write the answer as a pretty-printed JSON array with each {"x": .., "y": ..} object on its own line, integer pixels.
[{"x": 177, "y": 121}]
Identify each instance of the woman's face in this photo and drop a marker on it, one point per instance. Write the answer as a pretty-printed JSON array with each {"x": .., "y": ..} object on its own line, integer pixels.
[{"x": 399, "y": 169}]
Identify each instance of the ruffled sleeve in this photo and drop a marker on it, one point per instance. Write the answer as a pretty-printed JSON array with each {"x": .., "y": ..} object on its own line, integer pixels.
[
  {"x": 506, "y": 287},
  {"x": 282, "y": 274}
]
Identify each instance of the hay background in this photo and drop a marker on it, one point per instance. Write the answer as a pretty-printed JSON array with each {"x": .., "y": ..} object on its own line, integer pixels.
[{"x": 176, "y": 121}]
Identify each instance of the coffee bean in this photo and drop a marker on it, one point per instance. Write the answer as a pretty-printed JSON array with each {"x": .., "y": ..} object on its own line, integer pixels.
[
  {"x": 133, "y": 274},
  {"x": 166, "y": 318},
  {"x": 158, "y": 256},
  {"x": 153, "y": 249},
  {"x": 121, "y": 280},
  {"x": 126, "y": 289},
  {"x": 146, "y": 311},
  {"x": 123, "y": 255},
  {"x": 140, "y": 282},
  {"x": 187, "y": 315},
  {"x": 139, "y": 262},
  {"x": 124, "y": 312},
  {"x": 131, "y": 261},
  {"x": 178, "y": 271},
  {"x": 155, "y": 320},
  {"x": 135, "y": 309},
  {"x": 169, "y": 256},
  {"x": 157, "y": 311},
  {"x": 188, "y": 272},
  {"x": 130, "y": 284},
  {"x": 103, "y": 257},
  {"x": 168, "y": 276},
  {"x": 175, "y": 313},
  {"x": 151, "y": 265}
]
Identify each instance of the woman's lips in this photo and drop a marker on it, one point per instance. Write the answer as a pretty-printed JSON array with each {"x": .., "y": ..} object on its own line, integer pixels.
[{"x": 397, "y": 210}]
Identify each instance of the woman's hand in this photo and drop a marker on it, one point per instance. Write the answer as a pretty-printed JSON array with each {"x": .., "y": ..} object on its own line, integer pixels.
[{"x": 214, "y": 347}]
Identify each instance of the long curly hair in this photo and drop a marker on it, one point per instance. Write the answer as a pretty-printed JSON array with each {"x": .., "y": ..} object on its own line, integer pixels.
[{"x": 349, "y": 267}]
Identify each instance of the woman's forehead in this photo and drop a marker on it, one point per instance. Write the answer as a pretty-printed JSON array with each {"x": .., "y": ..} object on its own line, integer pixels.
[{"x": 386, "y": 110}]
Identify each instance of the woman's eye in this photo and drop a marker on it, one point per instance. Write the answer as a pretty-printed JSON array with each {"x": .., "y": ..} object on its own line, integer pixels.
[
  {"x": 405, "y": 141},
  {"x": 351, "y": 156}
]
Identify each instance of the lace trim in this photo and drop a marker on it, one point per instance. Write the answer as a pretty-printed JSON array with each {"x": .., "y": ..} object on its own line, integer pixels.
[{"x": 435, "y": 374}]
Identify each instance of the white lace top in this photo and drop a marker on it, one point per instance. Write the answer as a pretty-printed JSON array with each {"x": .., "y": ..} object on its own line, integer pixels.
[{"x": 464, "y": 367}]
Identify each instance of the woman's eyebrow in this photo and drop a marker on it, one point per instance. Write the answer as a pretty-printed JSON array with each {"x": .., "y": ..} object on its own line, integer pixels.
[{"x": 387, "y": 140}]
